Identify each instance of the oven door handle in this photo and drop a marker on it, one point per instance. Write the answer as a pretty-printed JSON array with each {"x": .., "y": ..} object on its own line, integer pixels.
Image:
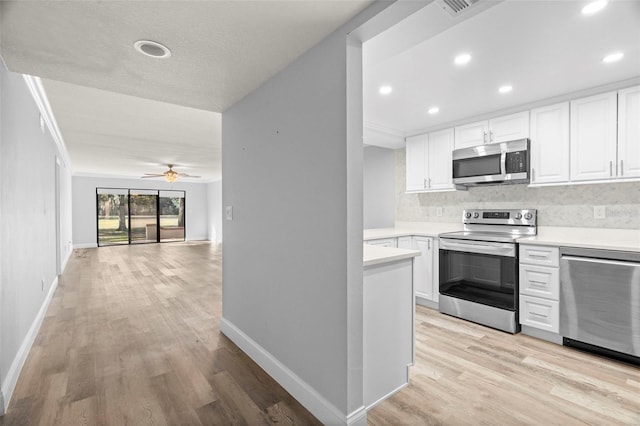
[{"x": 498, "y": 249}]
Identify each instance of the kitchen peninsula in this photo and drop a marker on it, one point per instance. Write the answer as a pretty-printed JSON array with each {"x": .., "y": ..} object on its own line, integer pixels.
[{"x": 388, "y": 320}]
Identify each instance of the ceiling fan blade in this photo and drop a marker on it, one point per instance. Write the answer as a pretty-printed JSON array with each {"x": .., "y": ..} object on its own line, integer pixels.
[
  {"x": 187, "y": 175},
  {"x": 151, "y": 175}
]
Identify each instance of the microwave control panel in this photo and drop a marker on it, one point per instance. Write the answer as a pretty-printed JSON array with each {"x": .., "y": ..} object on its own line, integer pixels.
[{"x": 517, "y": 162}]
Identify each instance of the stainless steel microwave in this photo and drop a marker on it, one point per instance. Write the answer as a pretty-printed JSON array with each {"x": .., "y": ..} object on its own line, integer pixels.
[{"x": 492, "y": 164}]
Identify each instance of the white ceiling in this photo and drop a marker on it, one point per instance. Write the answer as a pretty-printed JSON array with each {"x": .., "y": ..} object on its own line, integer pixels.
[
  {"x": 114, "y": 105},
  {"x": 110, "y": 133},
  {"x": 542, "y": 48}
]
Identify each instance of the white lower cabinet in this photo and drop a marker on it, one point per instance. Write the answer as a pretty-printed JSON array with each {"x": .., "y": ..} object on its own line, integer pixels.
[
  {"x": 425, "y": 278},
  {"x": 540, "y": 288},
  {"x": 540, "y": 313},
  {"x": 405, "y": 243}
]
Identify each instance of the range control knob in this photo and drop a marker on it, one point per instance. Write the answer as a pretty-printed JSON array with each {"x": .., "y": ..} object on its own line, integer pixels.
[
  {"x": 476, "y": 215},
  {"x": 518, "y": 215},
  {"x": 528, "y": 216},
  {"x": 467, "y": 215}
]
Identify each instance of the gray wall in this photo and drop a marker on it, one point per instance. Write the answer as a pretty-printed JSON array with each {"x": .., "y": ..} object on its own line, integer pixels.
[
  {"x": 214, "y": 198},
  {"x": 285, "y": 252},
  {"x": 84, "y": 205},
  {"x": 379, "y": 187},
  {"x": 27, "y": 220},
  {"x": 566, "y": 205}
]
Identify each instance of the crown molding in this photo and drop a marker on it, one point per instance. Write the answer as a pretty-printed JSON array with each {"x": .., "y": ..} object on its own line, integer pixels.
[{"x": 42, "y": 101}]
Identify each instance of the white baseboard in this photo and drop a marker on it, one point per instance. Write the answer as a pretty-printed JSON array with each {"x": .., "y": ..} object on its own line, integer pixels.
[
  {"x": 11, "y": 378},
  {"x": 85, "y": 245},
  {"x": 205, "y": 238},
  {"x": 325, "y": 411},
  {"x": 65, "y": 261}
]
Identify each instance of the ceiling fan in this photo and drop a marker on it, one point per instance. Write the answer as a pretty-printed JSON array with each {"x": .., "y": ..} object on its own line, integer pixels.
[{"x": 169, "y": 175}]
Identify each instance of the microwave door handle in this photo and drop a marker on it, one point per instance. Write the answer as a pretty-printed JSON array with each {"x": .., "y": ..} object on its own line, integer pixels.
[{"x": 503, "y": 163}]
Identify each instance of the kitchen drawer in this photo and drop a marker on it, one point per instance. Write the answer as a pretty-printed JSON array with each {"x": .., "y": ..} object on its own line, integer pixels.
[
  {"x": 540, "y": 313},
  {"x": 385, "y": 242},
  {"x": 539, "y": 281},
  {"x": 539, "y": 255}
]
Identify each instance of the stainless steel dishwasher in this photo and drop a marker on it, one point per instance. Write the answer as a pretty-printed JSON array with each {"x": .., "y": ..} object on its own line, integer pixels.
[{"x": 600, "y": 301}]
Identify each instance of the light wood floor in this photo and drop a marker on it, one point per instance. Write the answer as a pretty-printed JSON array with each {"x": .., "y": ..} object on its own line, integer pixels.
[{"x": 131, "y": 337}]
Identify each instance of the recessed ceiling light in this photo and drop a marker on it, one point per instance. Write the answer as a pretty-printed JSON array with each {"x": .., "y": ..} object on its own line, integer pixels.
[
  {"x": 612, "y": 57},
  {"x": 593, "y": 7},
  {"x": 385, "y": 90},
  {"x": 505, "y": 89},
  {"x": 434, "y": 110},
  {"x": 152, "y": 48},
  {"x": 462, "y": 59}
]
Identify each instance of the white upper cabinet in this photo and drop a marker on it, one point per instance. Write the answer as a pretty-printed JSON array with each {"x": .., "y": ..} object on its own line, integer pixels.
[
  {"x": 593, "y": 137},
  {"x": 629, "y": 133},
  {"x": 499, "y": 129},
  {"x": 416, "y": 163},
  {"x": 429, "y": 161},
  {"x": 550, "y": 144},
  {"x": 439, "y": 162},
  {"x": 509, "y": 128},
  {"x": 472, "y": 134}
]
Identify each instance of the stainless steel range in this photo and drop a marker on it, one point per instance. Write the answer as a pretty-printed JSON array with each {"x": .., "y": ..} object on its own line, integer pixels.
[{"x": 479, "y": 267}]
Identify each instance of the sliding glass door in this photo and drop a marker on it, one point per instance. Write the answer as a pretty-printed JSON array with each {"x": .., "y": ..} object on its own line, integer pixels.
[
  {"x": 135, "y": 216},
  {"x": 144, "y": 216},
  {"x": 113, "y": 216},
  {"x": 171, "y": 216}
]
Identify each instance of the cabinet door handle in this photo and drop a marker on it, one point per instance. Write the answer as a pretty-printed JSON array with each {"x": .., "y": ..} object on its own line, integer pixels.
[
  {"x": 490, "y": 136},
  {"x": 424, "y": 184},
  {"x": 428, "y": 244},
  {"x": 621, "y": 167},
  {"x": 610, "y": 168},
  {"x": 429, "y": 182},
  {"x": 484, "y": 137}
]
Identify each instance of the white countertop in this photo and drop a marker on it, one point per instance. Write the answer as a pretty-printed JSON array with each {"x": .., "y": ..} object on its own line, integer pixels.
[
  {"x": 598, "y": 238},
  {"x": 403, "y": 229},
  {"x": 375, "y": 255}
]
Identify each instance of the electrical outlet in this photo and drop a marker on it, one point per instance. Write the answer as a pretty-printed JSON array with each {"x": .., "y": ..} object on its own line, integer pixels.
[
  {"x": 439, "y": 211},
  {"x": 228, "y": 212},
  {"x": 599, "y": 212}
]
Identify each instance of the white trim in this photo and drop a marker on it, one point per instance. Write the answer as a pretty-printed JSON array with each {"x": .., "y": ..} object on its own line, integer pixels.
[
  {"x": 85, "y": 245},
  {"x": 11, "y": 379},
  {"x": 65, "y": 260},
  {"x": 399, "y": 388},
  {"x": 583, "y": 182},
  {"x": 325, "y": 411},
  {"x": 201, "y": 238},
  {"x": 383, "y": 129},
  {"x": 40, "y": 97}
]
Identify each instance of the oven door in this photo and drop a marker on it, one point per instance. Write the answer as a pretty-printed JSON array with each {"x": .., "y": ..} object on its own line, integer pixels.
[{"x": 480, "y": 272}]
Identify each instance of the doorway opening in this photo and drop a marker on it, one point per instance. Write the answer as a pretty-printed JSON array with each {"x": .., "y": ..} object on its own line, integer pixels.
[{"x": 139, "y": 216}]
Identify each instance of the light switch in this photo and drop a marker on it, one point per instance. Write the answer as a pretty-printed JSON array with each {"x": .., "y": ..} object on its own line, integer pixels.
[
  {"x": 228, "y": 212},
  {"x": 439, "y": 211},
  {"x": 599, "y": 212}
]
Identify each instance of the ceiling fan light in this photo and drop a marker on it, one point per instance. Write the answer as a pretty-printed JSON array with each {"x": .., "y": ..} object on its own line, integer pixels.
[{"x": 170, "y": 176}]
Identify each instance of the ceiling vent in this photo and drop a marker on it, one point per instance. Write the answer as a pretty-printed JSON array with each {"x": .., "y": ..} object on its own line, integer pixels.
[{"x": 455, "y": 7}]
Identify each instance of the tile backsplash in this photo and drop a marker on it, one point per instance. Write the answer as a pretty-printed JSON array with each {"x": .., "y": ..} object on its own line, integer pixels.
[{"x": 566, "y": 205}]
